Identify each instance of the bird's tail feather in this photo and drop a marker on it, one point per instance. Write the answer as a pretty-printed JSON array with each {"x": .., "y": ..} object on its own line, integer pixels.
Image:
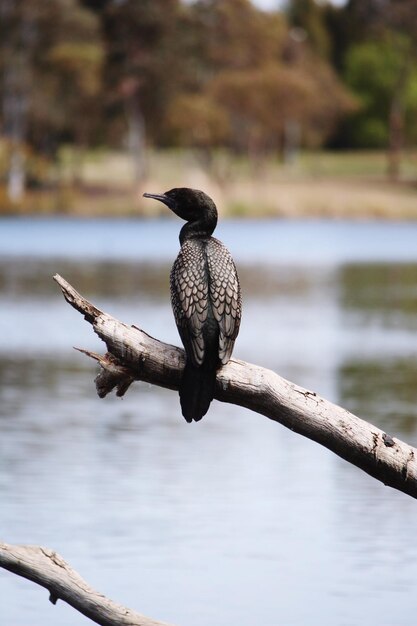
[{"x": 197, "y": 390}]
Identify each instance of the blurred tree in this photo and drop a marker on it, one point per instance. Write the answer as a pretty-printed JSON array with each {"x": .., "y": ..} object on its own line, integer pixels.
[
  {"x": 17, "y": 37},
  {"x": 261, "y": 104},
  {"x": 229, "y": 39},
  {"x": 401, "y": 20},
  {"x": 257, "y": 87},
  {"x": 371, "y": 71},
  {"x": 380, "y": 68},
  {"x": 67, "y": 108},
  {"x": 49, "y": 58},
  {"x": 197, "y": 120},
  {"x": 141, "y": 68},
  {"x": 203, "y": 74},
  {"x": 235, "y": 35},
  {"x": 310, "y": 16}
]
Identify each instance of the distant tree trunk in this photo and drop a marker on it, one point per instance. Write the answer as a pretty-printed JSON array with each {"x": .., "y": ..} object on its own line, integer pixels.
[
  {"x": 291, "y": 141},
  {"x": 136, "y": 137},
  {"x": 15, "y": 105},
  {"x": 256, "y": 153},
  {"x": 16, "y": 52},
  {"x": 78, "y": 153},
  {"x": 16, "y": 180},
  {"x": 396, "y": 137},
  {"x": 396, "y": 121}
]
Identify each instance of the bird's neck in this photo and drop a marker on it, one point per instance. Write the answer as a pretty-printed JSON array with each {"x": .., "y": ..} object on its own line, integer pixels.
[{"x": 198, "y": 229}]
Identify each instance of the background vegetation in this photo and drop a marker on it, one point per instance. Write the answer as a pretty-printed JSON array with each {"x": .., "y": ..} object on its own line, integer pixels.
[{"x": 100, "y": 98}]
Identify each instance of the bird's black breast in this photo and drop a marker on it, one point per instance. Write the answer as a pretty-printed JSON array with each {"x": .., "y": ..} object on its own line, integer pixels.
[{"x": 205, "y": 290}]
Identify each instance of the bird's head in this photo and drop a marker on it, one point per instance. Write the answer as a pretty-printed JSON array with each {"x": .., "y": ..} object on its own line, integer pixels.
[{"x": 190, "y": 204}]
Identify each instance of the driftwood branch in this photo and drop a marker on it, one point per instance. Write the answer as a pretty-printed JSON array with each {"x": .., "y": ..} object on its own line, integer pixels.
[
  {"x": 48, "y": 569},
  {"x": 134, "y": 355}
]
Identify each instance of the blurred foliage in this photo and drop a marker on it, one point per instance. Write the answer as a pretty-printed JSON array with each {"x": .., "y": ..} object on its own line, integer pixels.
[
  {"x": 373, "y": 71},
  {"x": 376, "y": 55},
  {"x": 50, "y": 60},
  {"x": 253, "y": 78},
  {"x": 205, "y": 74},
  {"x": 310, "y": 17}
]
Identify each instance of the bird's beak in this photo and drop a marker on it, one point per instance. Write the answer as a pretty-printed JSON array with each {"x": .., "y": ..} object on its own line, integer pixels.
[{"x": 161, "y": 197}]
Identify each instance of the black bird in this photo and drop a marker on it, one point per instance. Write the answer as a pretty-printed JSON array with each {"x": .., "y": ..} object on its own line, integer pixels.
[{"x": 205, "y": 298}]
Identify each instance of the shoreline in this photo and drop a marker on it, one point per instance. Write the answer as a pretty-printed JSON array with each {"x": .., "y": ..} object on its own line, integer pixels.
[
  {"x": 301, "y": 199},
  {"x": 318, "y": 185}
]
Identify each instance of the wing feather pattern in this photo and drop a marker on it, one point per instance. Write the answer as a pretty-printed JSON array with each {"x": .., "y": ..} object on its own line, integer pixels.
[
  {"x": 224, "y": 295},
  {"x": 204, "y": 275},
  {"x": 189, "y": 298}
]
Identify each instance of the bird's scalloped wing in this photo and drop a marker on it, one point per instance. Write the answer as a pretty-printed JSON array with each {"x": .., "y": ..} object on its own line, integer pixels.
[
  {"x": 225, "y": 296},
  {"x": 189, "y": 298}
]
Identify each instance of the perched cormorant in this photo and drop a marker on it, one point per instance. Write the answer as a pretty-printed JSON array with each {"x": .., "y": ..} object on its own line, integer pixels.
[{"x": 205, "y": 298}]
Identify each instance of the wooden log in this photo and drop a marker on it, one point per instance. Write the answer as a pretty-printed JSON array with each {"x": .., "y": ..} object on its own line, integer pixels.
[
  {"x": 134, "y": 355},
  {"x": 48, "y": 569}
]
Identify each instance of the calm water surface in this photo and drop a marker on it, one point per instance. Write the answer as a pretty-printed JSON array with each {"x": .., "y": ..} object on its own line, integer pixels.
[{"x": 234, "y": 520}]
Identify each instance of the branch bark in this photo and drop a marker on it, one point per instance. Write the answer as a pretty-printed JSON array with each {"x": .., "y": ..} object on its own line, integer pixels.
[
  {"x": 134, "y": 355},
  {"x": 48, "y": 569}
]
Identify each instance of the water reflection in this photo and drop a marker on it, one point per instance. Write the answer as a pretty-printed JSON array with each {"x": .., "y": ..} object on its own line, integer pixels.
[
  {"x": 381, "y": 299},
  {"x": 384, "y": 291},
  {"x": 236, "y": 520},
  {"x": 385, "y": 391},
  {"x": 20, "y": 278}
]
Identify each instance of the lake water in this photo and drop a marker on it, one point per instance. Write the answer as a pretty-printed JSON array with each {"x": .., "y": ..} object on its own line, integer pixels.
[{"x": 234, "y": 520}]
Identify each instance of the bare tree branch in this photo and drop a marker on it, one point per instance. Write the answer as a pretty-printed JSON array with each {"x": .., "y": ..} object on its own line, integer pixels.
[
  {"x": 48, "y": 569},
  {"x": 134, "y": 355}
]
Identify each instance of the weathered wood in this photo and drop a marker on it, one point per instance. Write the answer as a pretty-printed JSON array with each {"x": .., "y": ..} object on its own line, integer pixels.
[
  {"x": 48, "y": 569},
  {"x": 134, "y": 355}
]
